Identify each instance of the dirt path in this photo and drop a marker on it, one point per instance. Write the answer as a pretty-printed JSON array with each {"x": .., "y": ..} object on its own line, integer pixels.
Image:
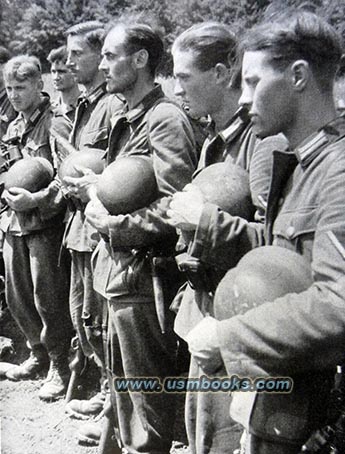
[{"x": 30, "y": 426}]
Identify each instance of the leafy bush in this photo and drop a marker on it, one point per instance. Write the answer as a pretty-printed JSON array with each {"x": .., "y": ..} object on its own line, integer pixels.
[{"x": 37, "y": 26}]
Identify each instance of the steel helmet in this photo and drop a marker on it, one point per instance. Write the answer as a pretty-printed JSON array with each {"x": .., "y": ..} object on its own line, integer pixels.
[
  {"x": 262, "y": 275},
  {"x": 89, "y": 158},
  {"x": 32, "y": 174},
  {"x": 127, "y": 184},
  {"x": 227, "y": 186}
]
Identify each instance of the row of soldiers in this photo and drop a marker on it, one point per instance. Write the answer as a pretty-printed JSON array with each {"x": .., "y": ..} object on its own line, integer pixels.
[{"x": 271, "y": 112}]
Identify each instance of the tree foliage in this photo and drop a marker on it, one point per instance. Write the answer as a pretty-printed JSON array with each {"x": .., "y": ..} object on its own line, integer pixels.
[{"x": 37, "y": 26}]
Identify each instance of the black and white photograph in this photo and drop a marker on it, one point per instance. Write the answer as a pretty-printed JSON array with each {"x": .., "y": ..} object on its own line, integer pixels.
[{"x": 172, "y": 227}]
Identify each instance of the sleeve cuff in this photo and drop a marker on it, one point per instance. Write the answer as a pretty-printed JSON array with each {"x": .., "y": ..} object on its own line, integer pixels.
[{"x": 200, "y": 239}]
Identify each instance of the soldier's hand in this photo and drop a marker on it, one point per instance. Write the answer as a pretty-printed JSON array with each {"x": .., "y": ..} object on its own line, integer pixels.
[
  {"x": 97, "y": 215},
  {"x": 79, "y": 187},
  {"x": 186, "y": 208},
  {"x": 19, "y": 199},
  {"x": 204, "y": 345}
]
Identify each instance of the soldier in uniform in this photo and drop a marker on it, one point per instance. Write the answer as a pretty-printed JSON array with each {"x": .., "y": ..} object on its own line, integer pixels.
[
  {"x": 150, "y": 126},
  {"x": 288, "y": 72},
  {"x": 7, "y": 112},
  {"x": 65, "y": 105},
  {"x": 208, "y": 80},
  {"x": 36, "y": 285},
  {"x": 91, "y": 129}
]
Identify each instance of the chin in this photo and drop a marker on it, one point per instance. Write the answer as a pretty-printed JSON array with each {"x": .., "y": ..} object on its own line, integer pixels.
[
  {"x": 196, "y": 113},
  {"x": 262, "y": 133},
  {"x": 111, "y": 88}
]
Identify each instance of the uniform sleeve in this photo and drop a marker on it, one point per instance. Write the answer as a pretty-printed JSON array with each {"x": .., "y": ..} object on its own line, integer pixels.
[
  {"x": 174, "y": 161},
  {"x": 299, "y": 332},
  {"x": 222, "y": 238},
  {"x": 49, "y": 200}
]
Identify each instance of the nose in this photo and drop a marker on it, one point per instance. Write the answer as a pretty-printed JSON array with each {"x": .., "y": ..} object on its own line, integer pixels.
[
  {"x": 13, "y": 96},
  {"x": 178, "y": 89},
  {"x": 69, "y": 62},
  {"x": 103, "y": 66},
  {"x": 246, "y": 97}
]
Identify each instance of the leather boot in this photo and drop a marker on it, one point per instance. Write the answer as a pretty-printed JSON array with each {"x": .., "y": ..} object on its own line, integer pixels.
[
  {"x": 84, "y": 409},
  {"x": 57, "y": 379},
  {"x": 37, "y": 362},
  {"x": 90, "y": 434}
]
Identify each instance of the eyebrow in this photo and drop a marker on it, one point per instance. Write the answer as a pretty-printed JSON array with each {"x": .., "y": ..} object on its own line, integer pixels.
[{"x": 181, "y": 74}]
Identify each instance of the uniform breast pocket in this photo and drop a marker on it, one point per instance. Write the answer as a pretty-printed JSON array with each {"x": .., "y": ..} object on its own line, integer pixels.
[
  {"x": 34, "y": 149},
  {"x": 97, "y": 138},
  {"x": 295, "y": 229}
]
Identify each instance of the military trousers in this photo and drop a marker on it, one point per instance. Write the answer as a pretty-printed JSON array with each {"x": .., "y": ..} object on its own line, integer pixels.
[
  {"x": 86, "y": 307},
  {"x": 37, "y": 286},
  {"x": 210, "y": 429},
  {"x": 137, "y": 348}
]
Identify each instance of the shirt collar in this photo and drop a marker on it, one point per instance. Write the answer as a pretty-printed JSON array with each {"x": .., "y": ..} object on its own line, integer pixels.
[
  {"x": 311, "y": 147},
  {"x": 234, "y": 128},
  {"x": 144, "y": 105},
  {"x": 94, "y": 95},
  {"x": 44, "y": 104}
]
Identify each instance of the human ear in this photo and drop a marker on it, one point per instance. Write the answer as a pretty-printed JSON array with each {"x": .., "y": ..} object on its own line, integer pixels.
[
  {"x": 222, "y": 72},
  {"x": 141, "y": 58},
  {"x": 40, "y": 84},
  {"x": 300, "y": 74}
]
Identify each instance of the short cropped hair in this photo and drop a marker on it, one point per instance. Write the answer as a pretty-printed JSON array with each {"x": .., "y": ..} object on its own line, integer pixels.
[
  {"x": 4, "y": 55},
  {"x": 299, "y": 35},
  {"x": 141, "y": 35},
  {"x": 211, "y": 43},
  {"x": 58, "y": 55},
  {"x": 92, "y": 31},
  {"x": 23, "y": 67}
]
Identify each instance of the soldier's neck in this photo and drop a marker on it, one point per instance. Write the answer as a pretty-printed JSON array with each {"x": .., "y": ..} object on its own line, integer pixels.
[
  {"x": 70, "y": 97},
  {"x": 227, "y": 107},
  {"x": 96, "y": 82},
  {"x": 138, "y": 92},
  {"x": 309, "y": 120},
  {"x": 30, "y": 110}
]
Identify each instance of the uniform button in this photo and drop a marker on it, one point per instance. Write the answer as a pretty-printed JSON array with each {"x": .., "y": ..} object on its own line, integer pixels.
[
  {"x": 290, "y": 231},
  {"x": 280, "y": 201}
]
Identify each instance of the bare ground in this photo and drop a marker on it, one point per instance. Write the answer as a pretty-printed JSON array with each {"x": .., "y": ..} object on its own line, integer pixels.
[{"x": 31, "y": 426}]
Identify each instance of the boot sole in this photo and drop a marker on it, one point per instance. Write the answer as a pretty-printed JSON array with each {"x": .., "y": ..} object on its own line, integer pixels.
[{"x": 85, "y": 441}]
